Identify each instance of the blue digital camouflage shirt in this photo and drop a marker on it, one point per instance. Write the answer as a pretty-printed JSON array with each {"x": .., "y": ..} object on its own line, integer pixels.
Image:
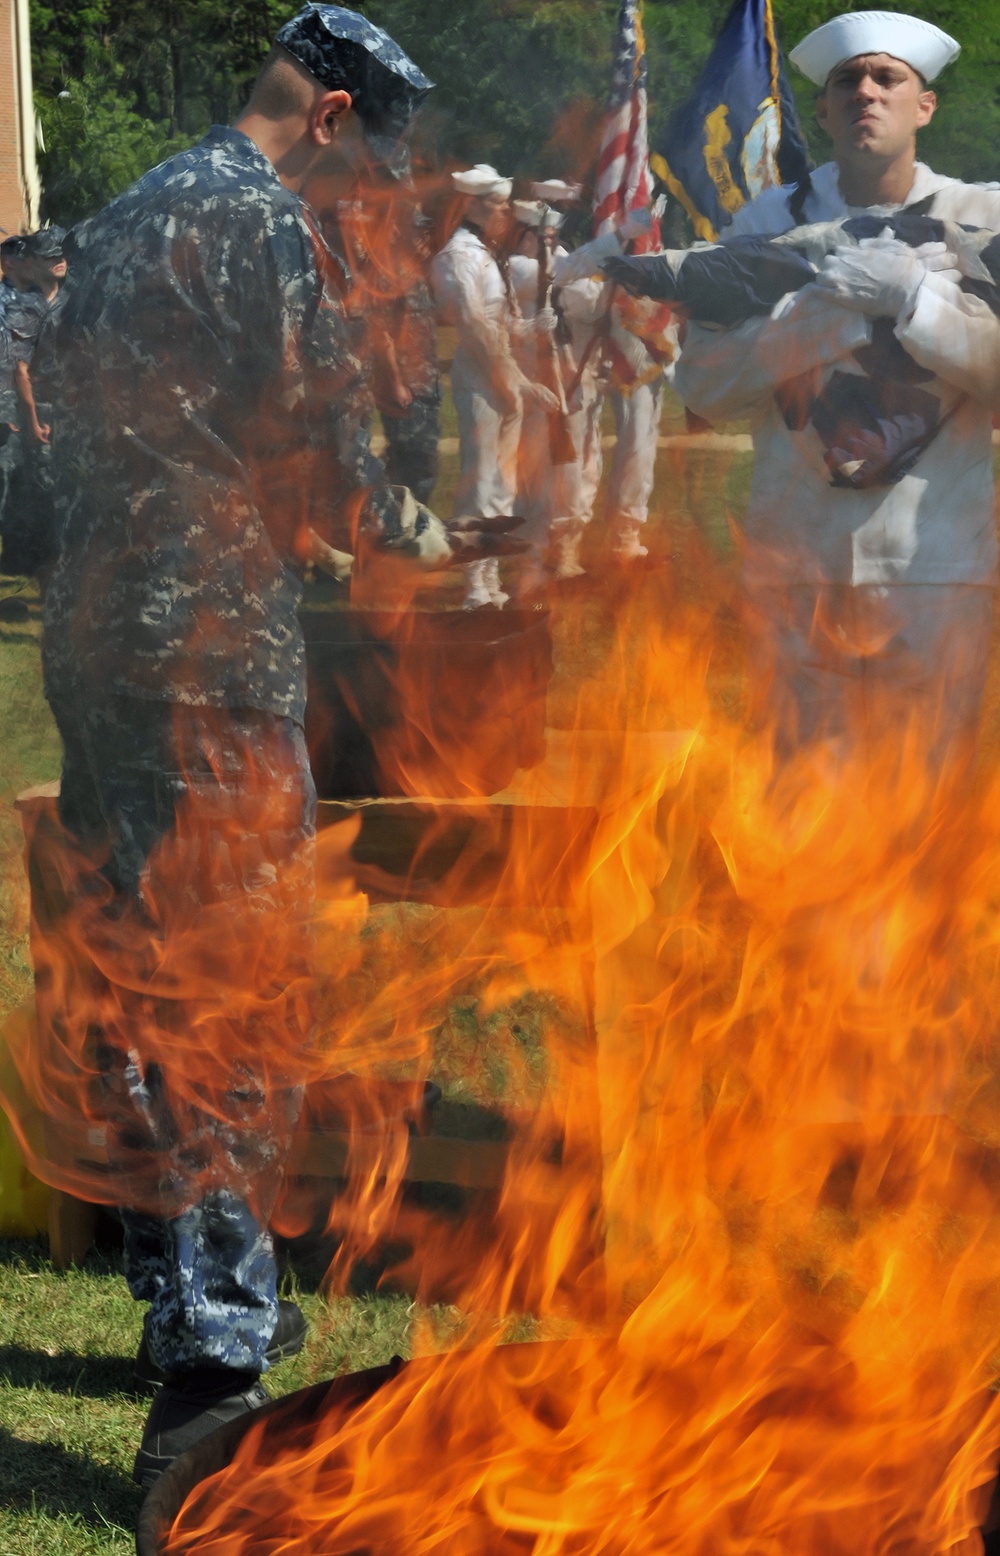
[
  {"x": 201, "y": 374},
  {"x": 9, "y": 295},
  {"x": 24, "y": 318}
]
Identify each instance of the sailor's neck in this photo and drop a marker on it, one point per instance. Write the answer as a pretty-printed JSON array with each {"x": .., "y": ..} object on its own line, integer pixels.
[{"x": 890, "y": 185}]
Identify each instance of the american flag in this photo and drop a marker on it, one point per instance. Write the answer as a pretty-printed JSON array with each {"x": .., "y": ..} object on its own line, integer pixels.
[
  {"x": 623, "y": 181},
  {"x": 640, "y": 339}
]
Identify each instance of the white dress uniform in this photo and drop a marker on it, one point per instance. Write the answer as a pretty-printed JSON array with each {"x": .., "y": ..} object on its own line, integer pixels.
[
  {"x": 470, "y": 295},
  {"x": 633, "y": 461},
  {"x": 557, "y": 501},
  {"x": 872, "y": 606}
]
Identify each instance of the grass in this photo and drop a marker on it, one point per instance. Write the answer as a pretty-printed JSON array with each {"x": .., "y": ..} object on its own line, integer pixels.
[{"x": 69, "y": 1418}]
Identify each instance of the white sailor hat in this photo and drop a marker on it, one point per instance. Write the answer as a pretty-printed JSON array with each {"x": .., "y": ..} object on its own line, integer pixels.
[
  {"x": 530, "y": 212},
  {"x": 555, "y": 191},
  {"x": 481, "y": 181},
  {"x": 917, "y": 43}
]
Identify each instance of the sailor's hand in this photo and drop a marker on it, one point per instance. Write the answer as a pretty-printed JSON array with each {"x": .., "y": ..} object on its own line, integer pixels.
[
  {"x": 879, "y": 277},
  {"x": 401, "y": 397},
  {"x": 637, "y": 224},
  {"x": 546, "y": 321},
  {"x": 509, "y": 400},
  {"x": 336, "y": 564},
  {"x": 625, "y": 273},
  {"x": 541, "y": 396},
  {"x": 939, "y": 262},
  {"x": 936, "y": 256}
]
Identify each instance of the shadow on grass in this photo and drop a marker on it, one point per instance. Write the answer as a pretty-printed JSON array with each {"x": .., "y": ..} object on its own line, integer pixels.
[
  {"x": 32, "y": 1254},
  {"x": 44, "y": 1477},
  {"x": 85, "y": 1377}
]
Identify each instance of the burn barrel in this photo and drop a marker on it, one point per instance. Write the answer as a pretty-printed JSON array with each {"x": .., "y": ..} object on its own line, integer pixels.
[
  {"x": 443, "y": 703},
  {"x": 214, "y": 1453}
]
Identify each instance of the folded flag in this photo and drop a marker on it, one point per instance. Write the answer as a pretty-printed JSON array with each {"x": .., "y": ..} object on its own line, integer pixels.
[{"x": 874, "y": 416}]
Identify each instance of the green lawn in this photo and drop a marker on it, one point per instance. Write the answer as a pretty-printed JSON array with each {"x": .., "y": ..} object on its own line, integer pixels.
[{"x": 69, "y": 1422}]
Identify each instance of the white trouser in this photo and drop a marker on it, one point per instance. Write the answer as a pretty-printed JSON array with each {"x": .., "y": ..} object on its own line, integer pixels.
[
  {"x": 633, "y": 463},
  {"x": 592, "y": 405},
  {"x": 487, "y": 453},
  {"x": 550, "y": 496},
  {"x": 860, "y": 667}
]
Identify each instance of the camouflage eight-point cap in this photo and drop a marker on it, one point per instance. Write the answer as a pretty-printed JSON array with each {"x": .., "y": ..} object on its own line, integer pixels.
[{"x": 348, "y": 53}]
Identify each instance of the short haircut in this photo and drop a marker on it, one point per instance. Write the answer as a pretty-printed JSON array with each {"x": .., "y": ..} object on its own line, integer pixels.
[{"x": 284, "y": 88}]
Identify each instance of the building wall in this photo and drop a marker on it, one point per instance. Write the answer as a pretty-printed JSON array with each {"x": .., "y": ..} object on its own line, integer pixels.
[{"x": 18, "y": 176}]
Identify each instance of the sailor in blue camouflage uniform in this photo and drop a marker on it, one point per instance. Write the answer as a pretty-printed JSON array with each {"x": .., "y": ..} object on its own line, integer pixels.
[
  {"x": 28, "y": 522},
  {"x": 12, "y": 277},
  {"x": 407, "y": 372},
  {"x": 202, "y": 370}
]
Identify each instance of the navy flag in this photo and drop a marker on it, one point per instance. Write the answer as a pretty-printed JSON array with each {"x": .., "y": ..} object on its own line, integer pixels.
[{"x": 738, "y": 133}]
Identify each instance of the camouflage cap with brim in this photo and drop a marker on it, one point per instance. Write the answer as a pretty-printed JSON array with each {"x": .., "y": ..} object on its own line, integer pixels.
[
  {"x": 47, "y": 243},
  {"x": 348, "y": 53}
]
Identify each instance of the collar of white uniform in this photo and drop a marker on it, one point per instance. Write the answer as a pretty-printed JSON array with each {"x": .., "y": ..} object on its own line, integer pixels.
[{"x": 826, "y": 185}]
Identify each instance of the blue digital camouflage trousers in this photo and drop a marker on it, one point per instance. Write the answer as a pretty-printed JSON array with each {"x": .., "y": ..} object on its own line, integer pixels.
[
  {"x": 411, "y": 452},
  {"x": 27, "y": 523},
  {"x": 195, "y": 828}
]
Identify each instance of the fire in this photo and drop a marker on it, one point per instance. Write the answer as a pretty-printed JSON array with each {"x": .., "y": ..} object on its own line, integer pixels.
[
  {"x": 752, "y": 1202},
  {"x": 763, "y": 1260}
]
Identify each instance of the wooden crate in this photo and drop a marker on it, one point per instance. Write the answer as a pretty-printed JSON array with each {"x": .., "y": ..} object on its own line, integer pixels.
[{"x": 438, "y": 851}]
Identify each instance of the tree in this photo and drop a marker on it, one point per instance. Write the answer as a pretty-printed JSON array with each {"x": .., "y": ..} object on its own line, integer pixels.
[{"x": 520, "y": 83}]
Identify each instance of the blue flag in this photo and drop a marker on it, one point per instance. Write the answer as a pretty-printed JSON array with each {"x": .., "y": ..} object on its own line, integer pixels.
[{"x": 738, "y": 133}]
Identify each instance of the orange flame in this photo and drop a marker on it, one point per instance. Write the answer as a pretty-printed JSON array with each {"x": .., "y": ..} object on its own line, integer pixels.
[
  {"x": 752, "y": 1200},
  {"x": 765, "y": 1253}
]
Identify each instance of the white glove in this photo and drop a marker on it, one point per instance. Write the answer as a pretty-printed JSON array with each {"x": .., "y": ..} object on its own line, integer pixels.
[
  {"x": 541, "y": 396},
  {"x": 521, "y": 329},
  {"x": 545, "y": 321},
  {"x": 637, "y": 224},
  {"x": 936, "y": 256},
  {"x": 939, "y": 263},
  {"x": 337, "y": 564},
  {"x": 881, "y": 277}
]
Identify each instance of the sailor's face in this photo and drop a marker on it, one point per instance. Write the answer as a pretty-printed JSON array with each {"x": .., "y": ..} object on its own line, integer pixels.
[
  {"x": 47, "y": 272},
  {"x": 873, "y": 105},
  {"x": 492, "y": 214}
]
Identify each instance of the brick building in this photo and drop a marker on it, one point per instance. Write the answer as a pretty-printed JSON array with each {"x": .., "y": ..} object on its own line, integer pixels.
[{"x": 19, "y": 185}]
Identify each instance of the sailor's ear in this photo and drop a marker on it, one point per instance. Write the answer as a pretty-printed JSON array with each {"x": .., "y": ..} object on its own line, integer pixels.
[
  {"x": 327, "y": 114},
  {"x": 926, "y": 105}
]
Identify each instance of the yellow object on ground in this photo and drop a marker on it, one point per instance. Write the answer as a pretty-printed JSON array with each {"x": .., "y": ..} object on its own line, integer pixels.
[{"x": 24, "y": 1201}]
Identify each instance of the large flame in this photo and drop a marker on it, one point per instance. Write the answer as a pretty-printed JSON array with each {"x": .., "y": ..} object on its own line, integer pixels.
[
  {"x": 752, "y": 1200},
  {"x": 765, "y": 1253}
]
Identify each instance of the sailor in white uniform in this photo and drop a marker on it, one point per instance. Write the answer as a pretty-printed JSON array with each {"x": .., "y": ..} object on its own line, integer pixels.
[
  {"x": 871, "y": 603},
  {"x": 472, "y": 292},
  {"x": 557, "y": 499}
]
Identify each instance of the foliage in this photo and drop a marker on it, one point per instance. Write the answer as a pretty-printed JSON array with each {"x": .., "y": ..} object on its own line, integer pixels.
[
  {"x": 519, "y": 82},
  {"x": 94, "y": 144},
  {"x": 120, "y": 85}
]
